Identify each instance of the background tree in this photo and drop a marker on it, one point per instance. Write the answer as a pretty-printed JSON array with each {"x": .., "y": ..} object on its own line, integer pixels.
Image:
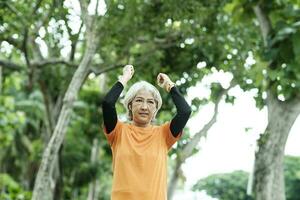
[
  {"x": 274, "y": 75},
  {"x": 234, "y": 185},
  {"x": 225, "y": 186}
]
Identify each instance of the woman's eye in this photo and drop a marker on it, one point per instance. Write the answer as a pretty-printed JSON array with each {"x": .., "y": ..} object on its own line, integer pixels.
[
  {"x": 138, "y": 100},
  {"x": 151, "y": 102}
]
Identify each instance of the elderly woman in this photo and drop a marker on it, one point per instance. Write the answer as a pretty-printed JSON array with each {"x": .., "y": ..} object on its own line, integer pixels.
[{"x": 140, "y": 148}]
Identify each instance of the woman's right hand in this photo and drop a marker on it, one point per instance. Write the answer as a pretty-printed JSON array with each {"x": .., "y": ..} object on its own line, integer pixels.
[{"x": 128, "y": 72}]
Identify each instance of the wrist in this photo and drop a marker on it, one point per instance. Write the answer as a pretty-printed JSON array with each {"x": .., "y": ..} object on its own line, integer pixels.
[
  {"x": 123, "y": 81},
  {"x": 169, "y": 86}
]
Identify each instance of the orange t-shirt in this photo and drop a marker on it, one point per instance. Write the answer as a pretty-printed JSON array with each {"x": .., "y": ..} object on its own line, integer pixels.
[{"x": 140, "y": 161}]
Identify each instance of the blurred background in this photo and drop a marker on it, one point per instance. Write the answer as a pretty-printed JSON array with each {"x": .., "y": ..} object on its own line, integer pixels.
[{"x": 237, "y": 62}]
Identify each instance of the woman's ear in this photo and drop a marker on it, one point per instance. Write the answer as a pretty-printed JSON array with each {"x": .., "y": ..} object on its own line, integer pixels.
[{"x": 129, "y": 106}]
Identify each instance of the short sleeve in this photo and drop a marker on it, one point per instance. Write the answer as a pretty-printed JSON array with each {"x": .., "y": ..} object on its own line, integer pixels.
[
  {"x": 169, "y": 138},
  {"x": 112, "y": 136}
]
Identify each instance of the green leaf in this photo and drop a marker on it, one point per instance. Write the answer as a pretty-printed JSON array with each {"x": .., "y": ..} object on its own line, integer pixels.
[
  {"x": 230, "y": 99},
  {"x": 273, "y": 74},
  {"x": 296, "y": 46}
]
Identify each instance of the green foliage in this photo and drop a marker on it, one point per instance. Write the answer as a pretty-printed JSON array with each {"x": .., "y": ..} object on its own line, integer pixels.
[
  {"x": 225, "y": 186},
  {"x": 11, "y": 190},
  {"x": 296, "y": 45},
  {"x": 86, "y": 174},
  {"x": 233, "y": 185},
  {"x": 292, "y": 177},
  {"x": 229, "y": 99},
  {"x": 197, "y": 102},
  {"x": 216, "y": 91}
]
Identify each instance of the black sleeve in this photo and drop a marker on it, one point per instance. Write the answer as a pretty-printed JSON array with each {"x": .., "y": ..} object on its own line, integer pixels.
[
  {"x": 183, "y": 112},
  {"x": 110, "y": 117}
]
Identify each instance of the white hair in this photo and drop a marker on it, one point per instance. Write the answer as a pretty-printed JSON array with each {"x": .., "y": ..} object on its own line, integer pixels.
[{"x": 134, "y": 89}]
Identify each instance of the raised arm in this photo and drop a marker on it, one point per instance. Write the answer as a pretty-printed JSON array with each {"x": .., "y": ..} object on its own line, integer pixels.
[
  {"x": 110, "y": 117},
  {"x": 182, "y": 107}
]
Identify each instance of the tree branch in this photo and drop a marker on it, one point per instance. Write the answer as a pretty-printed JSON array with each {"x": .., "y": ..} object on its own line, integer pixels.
[
  {"x": 264, "y": 23},
  {"x": 97, "y": 72},
  {"x": 73, "y": 38},
  {"x": 96, "y": 8},
  {"x": 11, "y": 65},
  {"x": 188, "y": 148},
  {"x": 1, "y": 79},
  {"x": 44, "y": 63},
  {"x": 84, "y": 13},
  {"x": 74, "y": 43},
  {"x": 37, "y": 5},
  {"x": 187, "y": 151},
  {"x": 53, "y": 61},
  {"x": 24, "y": 46}
]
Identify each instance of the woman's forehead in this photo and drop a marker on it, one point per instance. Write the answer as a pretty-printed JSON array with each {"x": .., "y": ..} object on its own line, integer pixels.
[{"x": 144, "y": 94}]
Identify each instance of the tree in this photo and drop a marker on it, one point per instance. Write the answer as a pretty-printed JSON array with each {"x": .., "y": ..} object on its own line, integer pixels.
[
  {"x": 225, "y": 186},
  {"x": 281, "y": 86},
  {"x": 25, "y": 45},
  {"x": 233, "y": 185},
  {"x": 43, "y": 188},
  {"x": 259, "y": 61}
]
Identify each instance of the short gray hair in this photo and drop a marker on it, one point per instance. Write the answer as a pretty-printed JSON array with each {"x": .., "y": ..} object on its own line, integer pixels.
[{"x": 134, "y": 89}]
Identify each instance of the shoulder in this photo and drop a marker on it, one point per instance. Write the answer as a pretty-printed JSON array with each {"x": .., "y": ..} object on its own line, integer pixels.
[
  {"x": 165, "y": 125},
  {"x": 124, "y": 125}
]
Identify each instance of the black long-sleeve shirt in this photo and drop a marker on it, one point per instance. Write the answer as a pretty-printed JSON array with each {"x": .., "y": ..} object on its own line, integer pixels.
[{"x": 110, "y": 114}]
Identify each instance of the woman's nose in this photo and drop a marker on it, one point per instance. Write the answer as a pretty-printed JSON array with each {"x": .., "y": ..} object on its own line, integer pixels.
[{"x": 144, "y": 105}]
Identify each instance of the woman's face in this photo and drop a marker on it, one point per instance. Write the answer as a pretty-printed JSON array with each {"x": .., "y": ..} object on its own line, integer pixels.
[{"x": 143, "y": 108}]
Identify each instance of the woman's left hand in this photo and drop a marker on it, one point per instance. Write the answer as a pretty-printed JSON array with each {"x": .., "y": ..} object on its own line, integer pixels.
[{"x": 164, "y": 81}]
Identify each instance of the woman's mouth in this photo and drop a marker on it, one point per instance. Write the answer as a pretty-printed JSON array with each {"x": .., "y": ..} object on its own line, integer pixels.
[{"x": 143, "y": 114}]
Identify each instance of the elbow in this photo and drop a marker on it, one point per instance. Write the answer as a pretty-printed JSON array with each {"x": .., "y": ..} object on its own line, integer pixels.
[
  {"x": 187, "y": 112},
  {"x": 105, "y": 103}
]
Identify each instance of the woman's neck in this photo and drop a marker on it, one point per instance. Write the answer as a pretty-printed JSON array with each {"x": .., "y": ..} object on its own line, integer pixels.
[{"x": 141, "y": 125}]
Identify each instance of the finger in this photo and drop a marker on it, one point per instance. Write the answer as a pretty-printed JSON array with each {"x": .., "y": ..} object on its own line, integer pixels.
[
  {"x": 160, "y": 78},
  {"x": 128, "y": 69}
]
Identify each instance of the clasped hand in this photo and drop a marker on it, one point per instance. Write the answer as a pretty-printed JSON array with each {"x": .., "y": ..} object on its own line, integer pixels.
[{"x": 163, "y": 80}]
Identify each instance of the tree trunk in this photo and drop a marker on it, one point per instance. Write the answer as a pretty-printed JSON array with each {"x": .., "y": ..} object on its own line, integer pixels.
[
  {"x": 174, "y": 179},
  {"x": 58, "y": 176},
  {"x": 94, "y": 186},
  {"x": 268, "y": 170},
  {"x": 0, "y": 79},
  {"x": 43, "y": 189},
  {"x": 268, "y": 167}
]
